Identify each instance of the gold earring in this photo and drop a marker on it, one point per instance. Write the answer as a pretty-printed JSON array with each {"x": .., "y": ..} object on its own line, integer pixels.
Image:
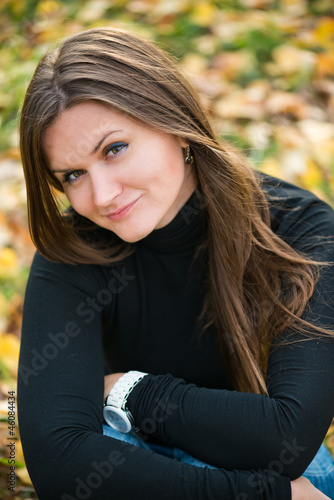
[{"x": 189, "y": 159}]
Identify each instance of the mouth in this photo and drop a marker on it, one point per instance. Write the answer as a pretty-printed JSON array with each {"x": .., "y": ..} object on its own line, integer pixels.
[{"x": 122, "y": 212}]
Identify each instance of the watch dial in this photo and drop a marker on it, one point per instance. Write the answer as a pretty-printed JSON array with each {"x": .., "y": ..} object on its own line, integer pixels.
[{"x": 117, "y": 419}]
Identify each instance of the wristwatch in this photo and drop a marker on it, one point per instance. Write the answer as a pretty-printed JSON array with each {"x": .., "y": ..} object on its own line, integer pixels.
[{"x": 115, "y": 412}]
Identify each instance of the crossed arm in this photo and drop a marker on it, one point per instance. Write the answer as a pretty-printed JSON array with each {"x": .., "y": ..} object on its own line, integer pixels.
[
  {"x": 244, "y": 435},
  {"x": 294, "y": 404}
]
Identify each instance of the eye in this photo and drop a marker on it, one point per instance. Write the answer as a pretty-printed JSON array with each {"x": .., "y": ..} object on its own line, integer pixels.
[
  {"x": 73, "y": 176},
  {"x": 114, "y": 149}
]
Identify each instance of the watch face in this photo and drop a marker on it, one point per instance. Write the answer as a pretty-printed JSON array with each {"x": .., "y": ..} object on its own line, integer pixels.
[{"x": 117, "y": 419}]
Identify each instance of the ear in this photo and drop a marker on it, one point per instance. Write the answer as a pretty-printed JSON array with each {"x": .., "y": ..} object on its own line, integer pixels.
[{"x": 183, "y": 142}]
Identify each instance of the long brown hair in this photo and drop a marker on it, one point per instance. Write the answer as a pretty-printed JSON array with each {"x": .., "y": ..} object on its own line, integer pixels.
[{"x": 256, "y": 284}]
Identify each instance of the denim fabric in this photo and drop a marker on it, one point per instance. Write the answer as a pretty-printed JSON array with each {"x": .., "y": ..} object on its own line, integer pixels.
[
  {"x": 320, "y": 471},
  {"x": 133, "y": 438}
]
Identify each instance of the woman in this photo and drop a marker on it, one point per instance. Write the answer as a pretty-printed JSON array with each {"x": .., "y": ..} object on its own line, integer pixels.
[{"x": 199, "y": 288}]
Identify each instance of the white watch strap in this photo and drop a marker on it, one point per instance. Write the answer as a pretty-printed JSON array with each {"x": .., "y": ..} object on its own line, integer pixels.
[{"x": 119, "y": 393}]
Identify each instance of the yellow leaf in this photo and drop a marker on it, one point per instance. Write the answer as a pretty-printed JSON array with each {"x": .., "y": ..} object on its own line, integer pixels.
[
  {"x": 324, "y": 32},
  {"x": 272, "y": 167},
  {"x": 47, "y": 7},
  {"x": 323, "y": 154},
  {"x": 93, "y": 10},
  {"x": 18, "y": 7},
  {"x": 3, "y": 312},
  {"x": 203, "y": 13},
  {"x": 294, "y": 7},
  {"x": 313, "y": 175},
  {"x": 290, "y": 60},
  {"x": 194, "y": 63},
  {"x": 23, "y": 475},
  {"x": 325, "y": 64},
  {"x": 8, "y": 261},
  {"x": 331, "y": 429},
  {"x": 19, "y": 451},
  {"x": 9, "y": 351}
]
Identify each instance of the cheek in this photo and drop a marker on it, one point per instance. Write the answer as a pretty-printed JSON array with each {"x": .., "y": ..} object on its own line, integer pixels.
[
  {"x": 78, "y": 200},
  {"x": 174, "y": 174},
  {"x": 168, "y": 169}
]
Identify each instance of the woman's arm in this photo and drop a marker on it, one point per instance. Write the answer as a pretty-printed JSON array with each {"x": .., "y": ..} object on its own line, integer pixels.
[
  {"x": 283, "y": 431},
  {"x": 229, "y": 429},
  {"x": 302, "y": 489},
  {"x": 60, "y": 395}
]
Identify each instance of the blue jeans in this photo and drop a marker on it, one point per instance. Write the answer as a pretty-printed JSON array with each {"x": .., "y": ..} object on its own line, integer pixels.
[{"x": 320, "y": 471}]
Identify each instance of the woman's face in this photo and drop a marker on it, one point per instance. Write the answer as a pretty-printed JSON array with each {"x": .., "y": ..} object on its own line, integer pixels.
[{"x": 119, "y": 174}]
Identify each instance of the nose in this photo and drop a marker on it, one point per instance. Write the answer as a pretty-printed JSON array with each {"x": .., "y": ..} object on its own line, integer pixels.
[{"x": 104, "y": 188}]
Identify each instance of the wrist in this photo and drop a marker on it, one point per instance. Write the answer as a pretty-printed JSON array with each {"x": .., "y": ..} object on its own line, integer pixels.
[
  {"x": 151, "y": 405},
  {"x": 109, "y": 382},
  {"x": 116, "y": 412}
]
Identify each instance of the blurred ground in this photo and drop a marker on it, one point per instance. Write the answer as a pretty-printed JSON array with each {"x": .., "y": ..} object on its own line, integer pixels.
[{"x": 265, "y": 70}]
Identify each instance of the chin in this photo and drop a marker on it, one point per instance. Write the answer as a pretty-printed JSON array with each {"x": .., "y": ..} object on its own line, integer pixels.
[{"x": 133, "y": 237}]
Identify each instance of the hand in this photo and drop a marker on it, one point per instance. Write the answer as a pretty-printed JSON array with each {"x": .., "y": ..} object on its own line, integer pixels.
[
  {"x": 303, "y": 489},
  {"x": 109, "y": 382}
]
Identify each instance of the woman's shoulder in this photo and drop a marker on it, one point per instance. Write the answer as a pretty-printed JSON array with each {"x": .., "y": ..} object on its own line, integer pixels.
[
  {"x": 297, "y": 215},
  {"x": 80, "y": 277},
  {"x": 281, "y": 193}
]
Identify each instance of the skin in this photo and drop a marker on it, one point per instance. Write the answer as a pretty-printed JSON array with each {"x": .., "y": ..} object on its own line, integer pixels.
[
  {"x": 303, "y": 489},
  {"x": 133, "y": 163},
  {"x": 105, "y": 161}
]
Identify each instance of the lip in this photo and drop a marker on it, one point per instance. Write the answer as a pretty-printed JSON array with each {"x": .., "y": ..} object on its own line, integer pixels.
[{"x": 122, "y": 212}]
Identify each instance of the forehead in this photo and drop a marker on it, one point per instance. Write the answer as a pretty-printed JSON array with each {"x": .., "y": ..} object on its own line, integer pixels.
[{"x": 77, "y": 130}]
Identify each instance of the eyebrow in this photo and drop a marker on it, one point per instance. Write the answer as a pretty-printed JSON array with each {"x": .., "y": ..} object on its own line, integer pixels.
[
  {"x": 94, "y": 150},
  {"x": 98, "y": 145}
]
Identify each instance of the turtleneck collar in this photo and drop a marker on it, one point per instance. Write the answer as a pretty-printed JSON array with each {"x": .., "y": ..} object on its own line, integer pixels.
[{"x": 183, "y": 233}]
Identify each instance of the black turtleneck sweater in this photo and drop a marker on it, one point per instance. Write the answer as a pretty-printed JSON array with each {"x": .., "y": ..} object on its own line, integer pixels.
[{"x": 83, "y": 321}]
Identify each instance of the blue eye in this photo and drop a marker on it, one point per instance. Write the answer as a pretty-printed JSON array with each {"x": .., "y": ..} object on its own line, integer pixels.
[{"x": 114, "y": 149}]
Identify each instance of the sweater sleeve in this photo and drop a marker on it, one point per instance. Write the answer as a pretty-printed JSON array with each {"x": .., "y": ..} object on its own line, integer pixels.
[
  {"x": 60, "y": 395},
  {"x": 280, "y": 432}
]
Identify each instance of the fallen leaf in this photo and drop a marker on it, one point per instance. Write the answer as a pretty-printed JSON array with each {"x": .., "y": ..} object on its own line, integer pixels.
[
  {"x": 232, "y": 64},
  {"x": 288, "y": 60},
  {"x": 294, "y": 164},
  {"x": 324, "y": 32},
  {"x": 289, "y": 137},
  {"x": 47, "y": 7},
  {"x": 240, "y": 104},
  {"x": 287, "y": 103},
  {"x": 8, "y": 262},
  {"x": 203, "y": 13},
  {"x": 325, "y": 65},
  {"x": 316, "y": 131},
  {"x": 259, "y": 134},
  {"x": 93, "y": 10},
  {"x": 271, "y": 166},
  {"x": 23, "y": 474},
  {"x": 294, "y": 7},
  {"x": 194, "y": 63},
  {"x": 9, "y": 351},
  {"x": 312, "y": 177}
]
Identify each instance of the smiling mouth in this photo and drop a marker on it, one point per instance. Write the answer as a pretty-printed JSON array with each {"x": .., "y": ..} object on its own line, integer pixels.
[{"x": 122, "y": 212}]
